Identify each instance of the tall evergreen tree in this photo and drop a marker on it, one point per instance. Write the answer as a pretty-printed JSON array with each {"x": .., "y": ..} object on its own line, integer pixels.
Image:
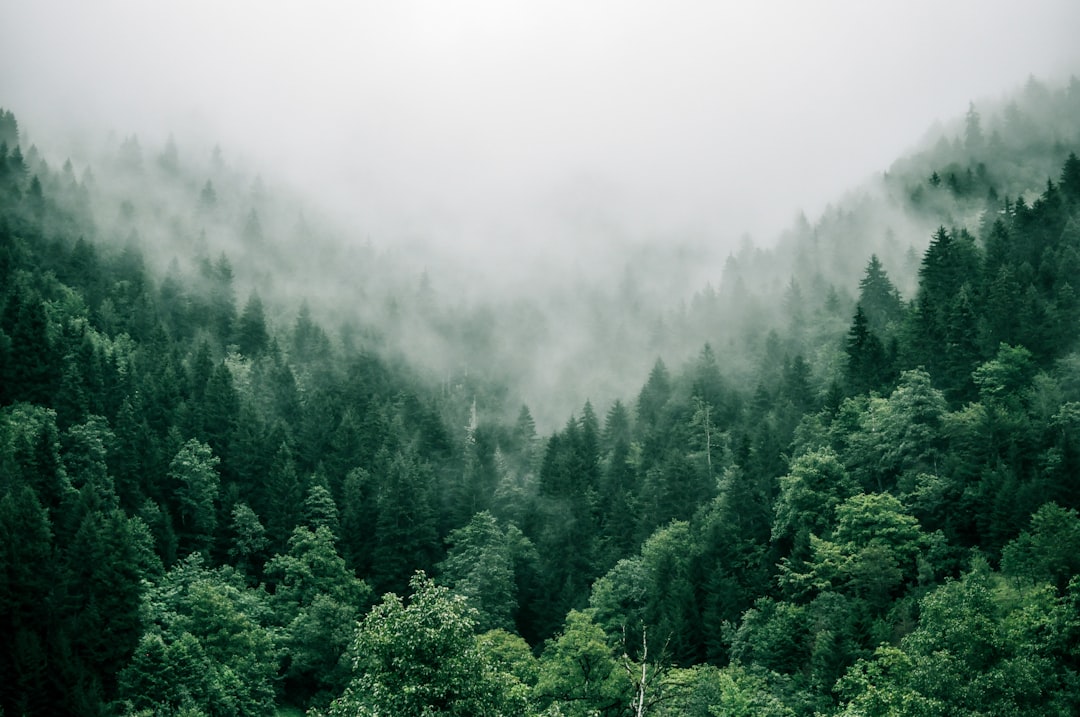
[
  {"x": 280, "y": 502},
  {"x": 405, "y": 522},
  {"x": 28, "y": 569},
  {"x": 951, "y": 261},
  {"x": 1070, "y": 178},
  {"x": 879, "y": 299},
  {"x": 33, "y": 369},
  {"x": 194, "y": 474},
  {"x": 867, "y": 366},
  {"x": 252, "y": 337},
  {"x": 654, "y": 395}
]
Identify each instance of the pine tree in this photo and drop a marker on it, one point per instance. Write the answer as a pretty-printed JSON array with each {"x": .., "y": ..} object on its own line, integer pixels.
[
  {"x": 866, "y": 358},
  {"x": 220, "y": 412},
  {"x": 35, "y": 199},
  {"x": 281, "y": 501},
  {"x": 9, "y": 128},
  {"x": 616, "y": 427},
  {"x": 309, "y": 341},
  {"x": 405, "y": 523},
  {"x": 1070, "y": 178},
  {"x": 32, "y": 364},
  {"x": 104, "y": 567},
  {"x": 320, "y": 509},
  {"x": 223, "y": 300},
  {"x": 249, "y": 543},
  {"x": 951, "y": 261},
  {"x": 208, "y": 197},
  {"x": 28, "y": 567},
  {"x": 654, "y": 395},
  {"x": 710, "y": 387},
  {"x": 973, "y": 134},
  {"x": 252, "y": 337},
  {"x": 194, "y": 474},
  {"x": 879, "y": 299}
]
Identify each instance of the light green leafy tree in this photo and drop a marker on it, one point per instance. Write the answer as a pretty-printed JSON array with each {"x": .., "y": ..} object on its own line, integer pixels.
[
  {"x": 1049, "y": 551},
  {"x": 317, "y": 600},
  {"x": 579, "y": 672},
  {"x": 815, "y": 484},
  {"x": 249, "y": 539},
  {"x": 653, "y": 592},
  {"x": 984, "y": 646},
  {"x": 510, "y": 654},
  {"x": 193, "y": 472},
  {"x": 872, "y": 552},
  {"x": 710, "y": 691},
  {"x": 774, "y": 635},
  {"x": 618, "y": 597},
  {"x": 422, "y": 659},
  {"x": 482, "y": 563},
  {"x": 205, "y": 649},
  {"x": 897, "y": 437}
]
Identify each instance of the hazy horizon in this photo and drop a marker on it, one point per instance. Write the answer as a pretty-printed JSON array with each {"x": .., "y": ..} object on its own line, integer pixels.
[{"x": 498, "y": 127}]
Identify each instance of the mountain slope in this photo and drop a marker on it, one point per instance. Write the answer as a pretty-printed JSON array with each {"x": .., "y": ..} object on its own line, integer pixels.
[{"x": 846, "y": 485}]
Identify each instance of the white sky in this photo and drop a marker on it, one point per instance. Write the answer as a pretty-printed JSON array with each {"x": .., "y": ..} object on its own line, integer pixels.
[{"x": 483, "y": 121}]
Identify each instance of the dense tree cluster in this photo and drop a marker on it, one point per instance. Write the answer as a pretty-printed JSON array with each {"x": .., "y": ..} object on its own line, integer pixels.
[{"x": 201, "y": 503}]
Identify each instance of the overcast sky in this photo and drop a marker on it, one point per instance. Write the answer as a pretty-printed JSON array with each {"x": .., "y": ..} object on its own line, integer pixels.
[{"x": 492, "y": 120}]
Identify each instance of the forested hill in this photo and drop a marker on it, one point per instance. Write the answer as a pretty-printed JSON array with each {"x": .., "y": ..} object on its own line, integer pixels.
[{"x": 858, "y": 497}]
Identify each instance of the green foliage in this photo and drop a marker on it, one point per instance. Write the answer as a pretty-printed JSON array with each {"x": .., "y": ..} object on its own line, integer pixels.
[
  {"x": 31, "y": 365},
  {"x": 774, "y": 635},
  {"x": 654, "y": 395},
  {"x": 776, "y": 510},
  {"x": 249, "y": 542},
  {"x": 873, "y": 551},
  {"x": 1049, "y": 551},
  {"x": 422, "y": 659},
  {"x": 879, "y": 299},
  {"x": 732, "y": 691},
  {"x": 809, "y": 493},
  {"x": 316, "y": 642},
  {"x": 867, "y": 363},
  {"x": 320, "y": 510},
  {"x": 203, "y": 647},
  {"x": 482, "y": 564},
  {"x": 734, "y": 561},
  {"x": 317, "y": 601},
  {"x": 579, "y": 673},
  {"x": 193, "y": 472},
  {"x": 898, "y": 438},
  {"x": 313, "y": 567},
  {"x": 942, "y": 318},
  {"x": 405, "y": 528},
  {"x": 252, "y": 337},
  {"x": 27, "y": 571},
  {"x": 982, "y": 647},
  {"x": 654, "y": 592}
]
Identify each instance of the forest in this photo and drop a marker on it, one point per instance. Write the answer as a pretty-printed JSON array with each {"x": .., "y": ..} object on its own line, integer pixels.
[{"x": 848, "y": 484}]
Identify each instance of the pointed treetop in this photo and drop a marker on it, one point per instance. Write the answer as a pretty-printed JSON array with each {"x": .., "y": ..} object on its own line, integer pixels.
[
  {"x": 878, "y": 297},
  {"x": 1070, "y": 177},
  {"x": 525, "y": 426}
]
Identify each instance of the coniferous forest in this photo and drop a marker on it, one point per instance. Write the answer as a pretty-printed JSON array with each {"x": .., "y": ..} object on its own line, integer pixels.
[{"x": 847, "y": 485}]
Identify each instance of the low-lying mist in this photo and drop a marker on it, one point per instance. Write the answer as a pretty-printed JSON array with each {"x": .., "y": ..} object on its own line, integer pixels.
[
  {"x": 551, "y": 196},
  {"x": 505, "y": 314}
]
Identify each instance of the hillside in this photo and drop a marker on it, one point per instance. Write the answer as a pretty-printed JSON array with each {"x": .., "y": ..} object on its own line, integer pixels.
[{"x": 842, "y": 482}]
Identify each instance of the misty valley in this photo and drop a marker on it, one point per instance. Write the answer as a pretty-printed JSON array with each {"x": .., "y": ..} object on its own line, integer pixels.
[{"x": 254, "y": 461}]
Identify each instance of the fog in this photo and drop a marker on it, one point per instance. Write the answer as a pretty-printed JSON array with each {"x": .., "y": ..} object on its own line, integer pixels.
[
  {"x": 484, "y": 123},
  {"x": 527, "y": 143}
]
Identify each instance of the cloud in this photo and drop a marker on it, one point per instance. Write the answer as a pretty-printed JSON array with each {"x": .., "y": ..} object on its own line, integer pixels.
[{"x": 471, "y": 119}]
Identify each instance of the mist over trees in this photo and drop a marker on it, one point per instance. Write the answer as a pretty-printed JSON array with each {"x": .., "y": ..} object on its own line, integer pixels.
[{"x": 248, "y": 464}]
